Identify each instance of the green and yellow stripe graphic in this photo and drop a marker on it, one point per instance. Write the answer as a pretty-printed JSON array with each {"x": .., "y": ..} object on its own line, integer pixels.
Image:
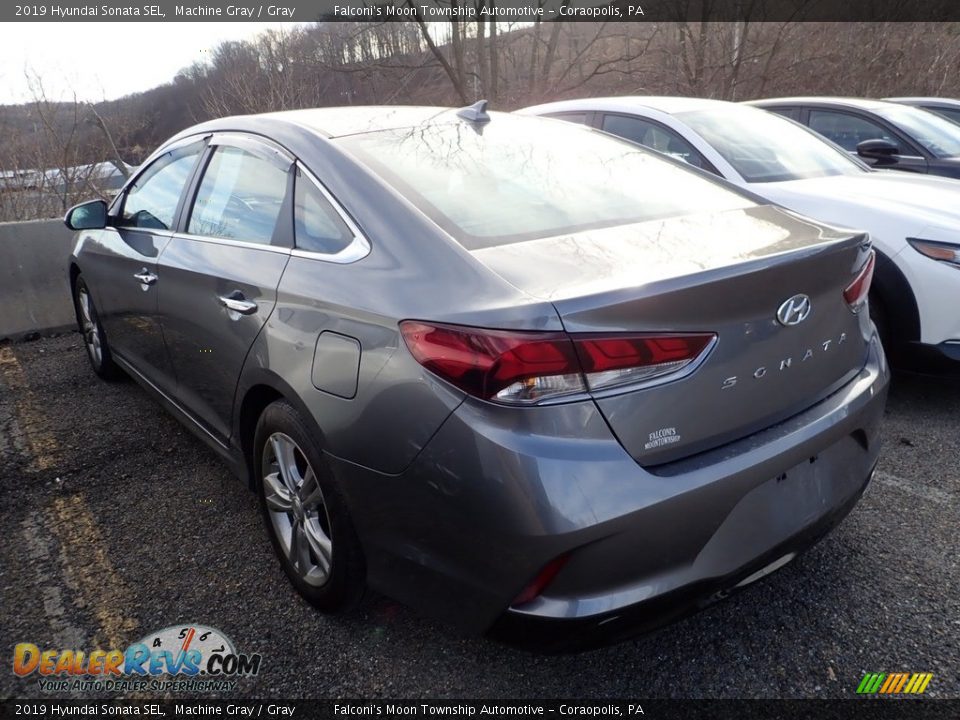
[{"x": 894, "y": 683}]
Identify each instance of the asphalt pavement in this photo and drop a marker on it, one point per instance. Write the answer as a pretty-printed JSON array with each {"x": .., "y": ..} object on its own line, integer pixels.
[{"x": 117, "y": 522}]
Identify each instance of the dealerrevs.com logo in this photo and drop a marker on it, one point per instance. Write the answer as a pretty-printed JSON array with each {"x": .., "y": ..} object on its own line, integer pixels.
[{"x": 191, "y": 658}]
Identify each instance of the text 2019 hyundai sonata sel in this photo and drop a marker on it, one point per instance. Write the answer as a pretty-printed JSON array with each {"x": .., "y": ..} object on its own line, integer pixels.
[{"x": 513, "y": 372}]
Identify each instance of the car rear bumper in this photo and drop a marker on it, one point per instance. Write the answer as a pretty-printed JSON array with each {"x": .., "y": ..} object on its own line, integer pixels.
[
  {"x": 496, "y": 495},
  {"x": 545, "y": 633}
]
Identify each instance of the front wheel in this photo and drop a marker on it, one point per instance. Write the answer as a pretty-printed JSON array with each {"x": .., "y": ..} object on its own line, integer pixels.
[
  {"x": 98, "y": 351},
  {"x": 305, "y": 513}
]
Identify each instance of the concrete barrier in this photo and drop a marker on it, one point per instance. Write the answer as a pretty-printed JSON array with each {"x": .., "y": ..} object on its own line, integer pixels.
[{"x": 34, "y": 289}]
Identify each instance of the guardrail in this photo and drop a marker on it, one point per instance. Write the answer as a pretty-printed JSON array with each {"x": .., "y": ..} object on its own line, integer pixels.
[{"x": 34, "y": 289}]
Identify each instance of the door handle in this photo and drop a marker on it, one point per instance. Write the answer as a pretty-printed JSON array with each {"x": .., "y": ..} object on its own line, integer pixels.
[
  {"x": 238, "y": 303},
  {"x": 146, "y": 277}
]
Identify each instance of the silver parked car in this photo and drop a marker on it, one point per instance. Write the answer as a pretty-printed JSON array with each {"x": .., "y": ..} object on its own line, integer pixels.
[{"x": 516, "y": 373}]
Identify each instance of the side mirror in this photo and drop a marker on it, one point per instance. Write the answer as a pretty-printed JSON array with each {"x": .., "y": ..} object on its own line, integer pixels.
[
  {"x": 90, "y": 215},
  {"x": 877, "y": 149}
]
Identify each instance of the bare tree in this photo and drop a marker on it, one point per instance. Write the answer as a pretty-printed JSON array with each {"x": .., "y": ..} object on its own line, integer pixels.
[
  {"x": 51, "y": 147},
  {"x": 55, "y": 155}
]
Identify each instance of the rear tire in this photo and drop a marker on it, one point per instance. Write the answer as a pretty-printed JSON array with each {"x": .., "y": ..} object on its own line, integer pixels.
[
  {"x": 94, "y": 339},
  {"x": 305, "y": 513}
]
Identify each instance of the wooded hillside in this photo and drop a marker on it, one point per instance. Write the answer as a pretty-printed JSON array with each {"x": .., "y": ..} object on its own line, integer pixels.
[{"x": 458, "y": 62}]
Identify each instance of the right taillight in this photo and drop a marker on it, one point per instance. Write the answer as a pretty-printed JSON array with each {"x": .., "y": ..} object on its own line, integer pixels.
[
  {"x": 619, "y": 360},
  {"x": 523, "y": 368},
  {"x": 856, "y": 292}
]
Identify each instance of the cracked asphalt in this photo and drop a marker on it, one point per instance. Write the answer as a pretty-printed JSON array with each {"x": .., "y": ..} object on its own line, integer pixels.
[{"x": 117, "y": 522}]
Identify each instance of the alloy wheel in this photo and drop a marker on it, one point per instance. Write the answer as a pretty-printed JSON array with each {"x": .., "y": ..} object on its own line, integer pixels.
[
  {"x": 91, "y": 331},
  {"x": 297, "y": 509}
]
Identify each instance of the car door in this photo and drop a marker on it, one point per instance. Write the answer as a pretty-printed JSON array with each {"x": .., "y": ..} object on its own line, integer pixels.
[
  {"x": 123, "y": 273},
  {"x": 219, "y": 273},
  {"x": 849, "y": 129}
]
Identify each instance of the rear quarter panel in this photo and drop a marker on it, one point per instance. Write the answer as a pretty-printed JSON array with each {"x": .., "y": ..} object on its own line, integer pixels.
[{"x": 413, "y": 271}]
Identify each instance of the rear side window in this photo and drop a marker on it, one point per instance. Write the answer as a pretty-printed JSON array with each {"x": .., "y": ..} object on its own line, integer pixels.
[
  {"x": 151, "y": 202},
  {"x": 787, "y": 112},
  {"x": 654, "y": 136},
  {"x": 574, "y": 117},
  {"x": 239, "y": 197},
  {"x": 847, "y": 131},
  {"x": 318, "y": 227}
]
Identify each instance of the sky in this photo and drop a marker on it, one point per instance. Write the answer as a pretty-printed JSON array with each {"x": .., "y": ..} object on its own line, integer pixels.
[{"x": 104, "y": 61}]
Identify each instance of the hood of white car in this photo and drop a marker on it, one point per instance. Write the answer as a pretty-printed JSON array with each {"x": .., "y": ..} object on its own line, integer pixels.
[{"x": 891, "y": 205}]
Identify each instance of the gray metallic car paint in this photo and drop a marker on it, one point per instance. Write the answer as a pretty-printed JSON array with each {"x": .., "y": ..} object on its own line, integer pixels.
[
  {"x": 459, "y": 502},
  {"x": 336, "y": 364},
  {"x": 128, "y": 312},
  {"x": 495, "y": 495},
  {"x": 208, "y": 344},
  {"x": 661, "y": 276}
]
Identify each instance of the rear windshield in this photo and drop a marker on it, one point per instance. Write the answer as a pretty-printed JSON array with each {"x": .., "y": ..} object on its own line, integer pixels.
[{"x": 516, "y": 179}]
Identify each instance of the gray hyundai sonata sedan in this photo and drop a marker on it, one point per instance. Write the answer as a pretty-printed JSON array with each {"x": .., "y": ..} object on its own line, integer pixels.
[{"x": 513, "y": 372}]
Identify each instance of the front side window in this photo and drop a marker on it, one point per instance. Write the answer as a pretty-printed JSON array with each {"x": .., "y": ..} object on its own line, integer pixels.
[
  {"x": 523, "y": 178},
  {"x": 847, "y": 130},
  {"x": 317, "y": 225},
  {"x": 239, "y": 197},
  {"x": 151, "y": 202},
  {"x": 654, "y": 136},
  {"x": 764, "y": 147}
]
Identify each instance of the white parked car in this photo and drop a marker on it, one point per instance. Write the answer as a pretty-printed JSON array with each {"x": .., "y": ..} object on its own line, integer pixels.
[
  {"x": 914, "y": 220},
  {"x": 944, "y": 107}
]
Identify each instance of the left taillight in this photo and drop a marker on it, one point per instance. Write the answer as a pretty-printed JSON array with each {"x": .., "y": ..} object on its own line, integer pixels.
[
  {"x": 511, "y": 367},
  {"x": 523, "y": 368},
  {"x": 856, "y": 292}
]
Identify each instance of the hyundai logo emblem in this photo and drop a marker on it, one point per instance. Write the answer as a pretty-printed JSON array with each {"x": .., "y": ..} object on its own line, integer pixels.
[{"x": 794, "y": 310}]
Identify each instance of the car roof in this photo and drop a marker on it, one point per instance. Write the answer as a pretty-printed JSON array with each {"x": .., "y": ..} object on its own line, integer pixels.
[
  {"x": 333, "y": 122},
  {"x": 298, "y": 130},
  {"x": 851, "y": 102},
  {"x": 944, "y": 102},
  {"x": 627, "y": 103}
]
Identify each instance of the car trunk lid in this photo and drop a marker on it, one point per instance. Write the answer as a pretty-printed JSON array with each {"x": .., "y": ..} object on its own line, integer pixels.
[{"x": 726, "y": 273}]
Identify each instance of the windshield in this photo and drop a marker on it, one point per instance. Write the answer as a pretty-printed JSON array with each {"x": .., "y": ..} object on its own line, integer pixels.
[
  {"x": 518, "y": 178},
  {"x": 941, "y": 137},
  {"x": 764, "y": 147}
]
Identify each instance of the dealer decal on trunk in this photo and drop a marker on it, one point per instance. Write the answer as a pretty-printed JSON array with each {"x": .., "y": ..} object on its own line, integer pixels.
[{"x": 661, "y": 437}]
